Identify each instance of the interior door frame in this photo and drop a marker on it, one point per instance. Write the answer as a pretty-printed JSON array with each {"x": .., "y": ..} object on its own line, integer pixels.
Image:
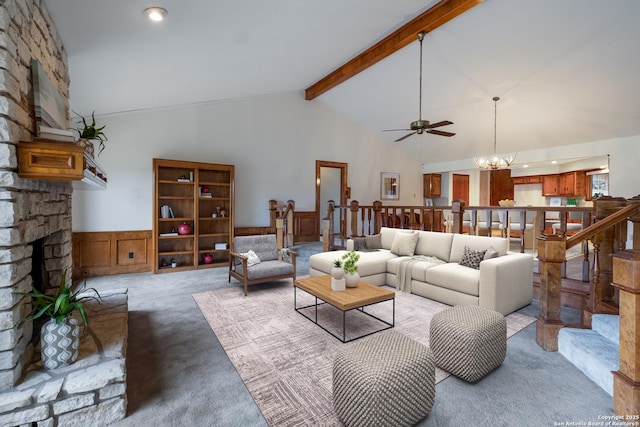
[{"x": 344, "y": 189}]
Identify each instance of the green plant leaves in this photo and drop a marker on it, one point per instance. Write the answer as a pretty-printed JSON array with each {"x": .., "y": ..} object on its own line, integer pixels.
[{"x": 62, "y": 304}]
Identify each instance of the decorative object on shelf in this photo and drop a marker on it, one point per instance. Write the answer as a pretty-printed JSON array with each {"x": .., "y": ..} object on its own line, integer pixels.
[
  {"x": 185, "y": 228},
  {"x": 223, "y": 213},
  {"x": 207, "y": 259},
  {"x": 90, "y": 132},
  {"x": 389, "y": 186},
  {"x": 214, "y": 215},
  {"x": 218, "y": 209},
  {"x": 220, "y": 246},
  {"x": 205, "y": 190},
  {"x": 495, "y": 161},
  {"x": 174, "y": 263},
  {"x": 350, "y": 267},
  {"x": 60, "y": 335}
]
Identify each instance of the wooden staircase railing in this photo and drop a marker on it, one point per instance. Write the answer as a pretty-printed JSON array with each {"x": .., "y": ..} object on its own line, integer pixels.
[
  {"x": 615, "y": 283},
  {"x": 281, "y": 221}
]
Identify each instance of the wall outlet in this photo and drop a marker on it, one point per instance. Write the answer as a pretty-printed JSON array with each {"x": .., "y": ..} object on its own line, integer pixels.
[{"x": 130, "y": 255}]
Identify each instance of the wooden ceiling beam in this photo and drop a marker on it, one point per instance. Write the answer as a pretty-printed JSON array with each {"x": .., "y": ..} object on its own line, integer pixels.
[{"x": 428, "y": 21}]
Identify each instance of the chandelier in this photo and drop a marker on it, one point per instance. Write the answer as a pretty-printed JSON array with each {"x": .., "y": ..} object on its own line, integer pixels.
[{"x": 495, "y": 161}]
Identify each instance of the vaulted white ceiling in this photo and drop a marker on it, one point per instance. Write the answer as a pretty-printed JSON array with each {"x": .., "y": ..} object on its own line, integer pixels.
[{"x": 566, "y": 70}]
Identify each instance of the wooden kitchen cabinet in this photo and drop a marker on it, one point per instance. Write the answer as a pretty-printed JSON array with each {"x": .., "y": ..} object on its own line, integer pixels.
[
  {"x": 550, "y": 185},
  {"x": 573, "y": 183},
  {"x": 432, "y": 184}
]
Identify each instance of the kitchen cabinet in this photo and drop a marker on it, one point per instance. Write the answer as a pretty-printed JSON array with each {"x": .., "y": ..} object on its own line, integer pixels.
[
  {"x": 432, "y": 185},
  {"x": 550, "y": 185}
]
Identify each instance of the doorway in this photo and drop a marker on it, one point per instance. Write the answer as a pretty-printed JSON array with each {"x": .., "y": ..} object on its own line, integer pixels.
[
  {"x": 331, "y": 184},
  {"x": 460, "y": 190}
]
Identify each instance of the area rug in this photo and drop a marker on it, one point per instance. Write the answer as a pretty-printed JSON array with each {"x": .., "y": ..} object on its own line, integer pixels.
[{"x": 286, "y": 361}]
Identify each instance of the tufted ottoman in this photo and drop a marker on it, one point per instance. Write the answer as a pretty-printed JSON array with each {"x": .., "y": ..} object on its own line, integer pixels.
[
  {"x": 385, "y": 380},
  {"x": 468, "y": 341}
]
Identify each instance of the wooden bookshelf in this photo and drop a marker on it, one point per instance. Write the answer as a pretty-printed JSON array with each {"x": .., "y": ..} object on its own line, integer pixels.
[{"x": 195, "y": 192}]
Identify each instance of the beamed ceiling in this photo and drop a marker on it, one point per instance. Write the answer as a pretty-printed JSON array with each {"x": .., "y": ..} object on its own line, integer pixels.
[{"x": 566, "y": 70}]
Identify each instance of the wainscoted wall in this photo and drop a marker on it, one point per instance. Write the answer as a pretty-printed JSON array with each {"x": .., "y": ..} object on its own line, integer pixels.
[{"x": 104, "y": 253}]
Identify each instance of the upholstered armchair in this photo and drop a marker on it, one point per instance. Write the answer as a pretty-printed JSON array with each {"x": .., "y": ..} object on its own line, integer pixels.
[{"x": 256, "y": 259}]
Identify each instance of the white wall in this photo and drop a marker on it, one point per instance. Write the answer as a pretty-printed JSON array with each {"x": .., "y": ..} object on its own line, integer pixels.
[{"x": 273, "y": 141}]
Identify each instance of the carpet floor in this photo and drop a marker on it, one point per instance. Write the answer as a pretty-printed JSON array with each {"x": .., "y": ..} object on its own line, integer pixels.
[
  {"x": 286, "y": 361},
  {"x": 178, "y": 374}
]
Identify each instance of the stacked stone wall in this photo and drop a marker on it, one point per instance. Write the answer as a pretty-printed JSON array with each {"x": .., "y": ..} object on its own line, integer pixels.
[{"x": 29, "y": 209}]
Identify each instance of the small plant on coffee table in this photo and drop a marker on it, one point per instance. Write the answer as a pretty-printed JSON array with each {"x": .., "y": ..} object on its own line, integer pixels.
[{"x": 350, "y": 260}]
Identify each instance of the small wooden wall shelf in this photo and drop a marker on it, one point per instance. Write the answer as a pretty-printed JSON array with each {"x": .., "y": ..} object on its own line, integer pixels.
[{"x": 59, "y": 161}]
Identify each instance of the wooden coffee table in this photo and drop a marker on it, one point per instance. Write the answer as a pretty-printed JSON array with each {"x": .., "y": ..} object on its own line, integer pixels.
[{"x": 357, "y": 298}]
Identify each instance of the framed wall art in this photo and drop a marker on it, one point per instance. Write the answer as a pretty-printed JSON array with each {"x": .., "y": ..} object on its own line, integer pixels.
[{"x": 389, "y": 186}]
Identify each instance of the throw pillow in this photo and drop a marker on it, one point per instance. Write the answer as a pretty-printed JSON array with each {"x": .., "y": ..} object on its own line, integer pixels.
[
  {"x": 359, "y": 243},
  {"x": 404, "y": 244},
  {"x": 285, "y": 255},
  {"x": 472, "y": 258},
  {"x": 252, "y": 258},
  {"x": 491, "y": 253},
  {"x": 374, "y": 242}
]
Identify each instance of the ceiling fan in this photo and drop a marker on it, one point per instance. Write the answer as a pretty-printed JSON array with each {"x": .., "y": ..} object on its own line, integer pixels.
[{"x": 423, "y": 126}]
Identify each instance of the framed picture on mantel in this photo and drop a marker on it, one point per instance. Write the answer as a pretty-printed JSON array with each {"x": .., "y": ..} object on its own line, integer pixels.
[{"x": 389, "y": 186}]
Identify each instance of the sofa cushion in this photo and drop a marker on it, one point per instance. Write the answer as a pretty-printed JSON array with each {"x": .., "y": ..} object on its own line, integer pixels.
[
  {"x": 472, "y": 258},
  {"x": 491, "y": 253},
  {"x": 434, "y": 244},
  {"x": 404, "y": 244},
  {"x": 454, "y": 277},
  {"x": 369, "y": 263},
  {"x": 417, "y": 269},
  {"x": 264, "y": 246},
  {"x": 388, "y": 234},
  {"x": 476, "y": 242},
  {"x": 269, "y": 269},
  {"x": 374, "y": 242}
]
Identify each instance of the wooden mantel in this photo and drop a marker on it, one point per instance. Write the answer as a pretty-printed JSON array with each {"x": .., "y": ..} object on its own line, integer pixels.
[{"x": 59, "y": 161}]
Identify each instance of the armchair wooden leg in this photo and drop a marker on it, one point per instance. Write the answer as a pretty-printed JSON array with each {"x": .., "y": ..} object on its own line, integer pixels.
[{"x": 245, "y": 288}]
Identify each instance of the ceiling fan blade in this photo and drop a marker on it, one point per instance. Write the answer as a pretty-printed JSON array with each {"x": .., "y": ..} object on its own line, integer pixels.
[
  {"x": 440, "y": 132},
  {"x": 394, "y": 130},
  {"x": 405, "y": 137},
  {"x": 437, "y": 125}
]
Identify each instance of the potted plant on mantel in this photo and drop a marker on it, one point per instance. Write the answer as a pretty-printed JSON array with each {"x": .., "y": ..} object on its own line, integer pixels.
[
  {"x": 90, "y": 132},
  {"x": 60, "y": 335},
  {"x": 351, "y": 275}
]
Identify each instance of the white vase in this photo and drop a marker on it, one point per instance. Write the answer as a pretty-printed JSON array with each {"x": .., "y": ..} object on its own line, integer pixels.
[
  {"x": 60, "y": 343},
  {"x": 337, "y": 272},
  {"x": 352, "y": 279}
]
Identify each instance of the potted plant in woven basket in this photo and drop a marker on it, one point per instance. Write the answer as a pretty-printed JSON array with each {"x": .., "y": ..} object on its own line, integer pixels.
[{"x": 60, "y": 335}]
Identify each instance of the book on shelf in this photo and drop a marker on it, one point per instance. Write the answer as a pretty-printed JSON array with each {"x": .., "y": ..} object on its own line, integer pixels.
[
  {"x": 220, "y": 246},
  {"x": 206, "y": 195},
  {"x": 183, "y": 180},
  {"x": 168, "y": 234}
]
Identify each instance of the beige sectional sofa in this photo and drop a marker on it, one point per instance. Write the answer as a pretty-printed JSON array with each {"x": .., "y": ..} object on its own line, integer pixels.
[{"x": 503, "y": 283}]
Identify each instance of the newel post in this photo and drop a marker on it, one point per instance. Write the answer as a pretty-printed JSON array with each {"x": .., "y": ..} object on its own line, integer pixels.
[
  {"x": 290, "y": 228},
  {"x": 273, "y": 214},
  {"x": 626, "y": 380},
  {"x": 377, "y": 216},
  {"x": 457, "y": 209},
  {"x": 551, "y": 255},
  {"x": 354, "y": 207},
  {"x": 635, "y": 219},
  {"x": 279, "y": 235}
]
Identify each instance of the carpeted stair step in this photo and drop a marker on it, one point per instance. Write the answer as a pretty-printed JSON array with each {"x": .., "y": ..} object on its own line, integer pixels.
[
  {"x": 595, "y": 355},
  {"x": 607, "y": 325}
]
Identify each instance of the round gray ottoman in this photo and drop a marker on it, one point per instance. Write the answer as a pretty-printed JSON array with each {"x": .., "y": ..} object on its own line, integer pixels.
[
  {"x": 387, "y": 379},
  {"x": 468, "y": 341}
]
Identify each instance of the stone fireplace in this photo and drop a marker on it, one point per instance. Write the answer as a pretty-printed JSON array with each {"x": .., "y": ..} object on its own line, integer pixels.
[{"x": 35, "y": 248}]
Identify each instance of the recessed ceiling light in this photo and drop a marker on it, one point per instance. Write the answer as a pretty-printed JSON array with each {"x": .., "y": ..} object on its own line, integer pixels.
[
  {"x": 554, "y": 162},
  {"x": 525, "y": 166},
  {"x": 155, "y": 14}
]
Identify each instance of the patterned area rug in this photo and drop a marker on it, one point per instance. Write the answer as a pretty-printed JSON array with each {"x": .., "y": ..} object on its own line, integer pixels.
[{"x": 286, "y": 360}]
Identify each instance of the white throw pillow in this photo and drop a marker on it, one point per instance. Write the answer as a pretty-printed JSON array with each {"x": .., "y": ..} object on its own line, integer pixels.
[
  {"x": 252, "y": 258},
  {"x": 404, "y": 244}
]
